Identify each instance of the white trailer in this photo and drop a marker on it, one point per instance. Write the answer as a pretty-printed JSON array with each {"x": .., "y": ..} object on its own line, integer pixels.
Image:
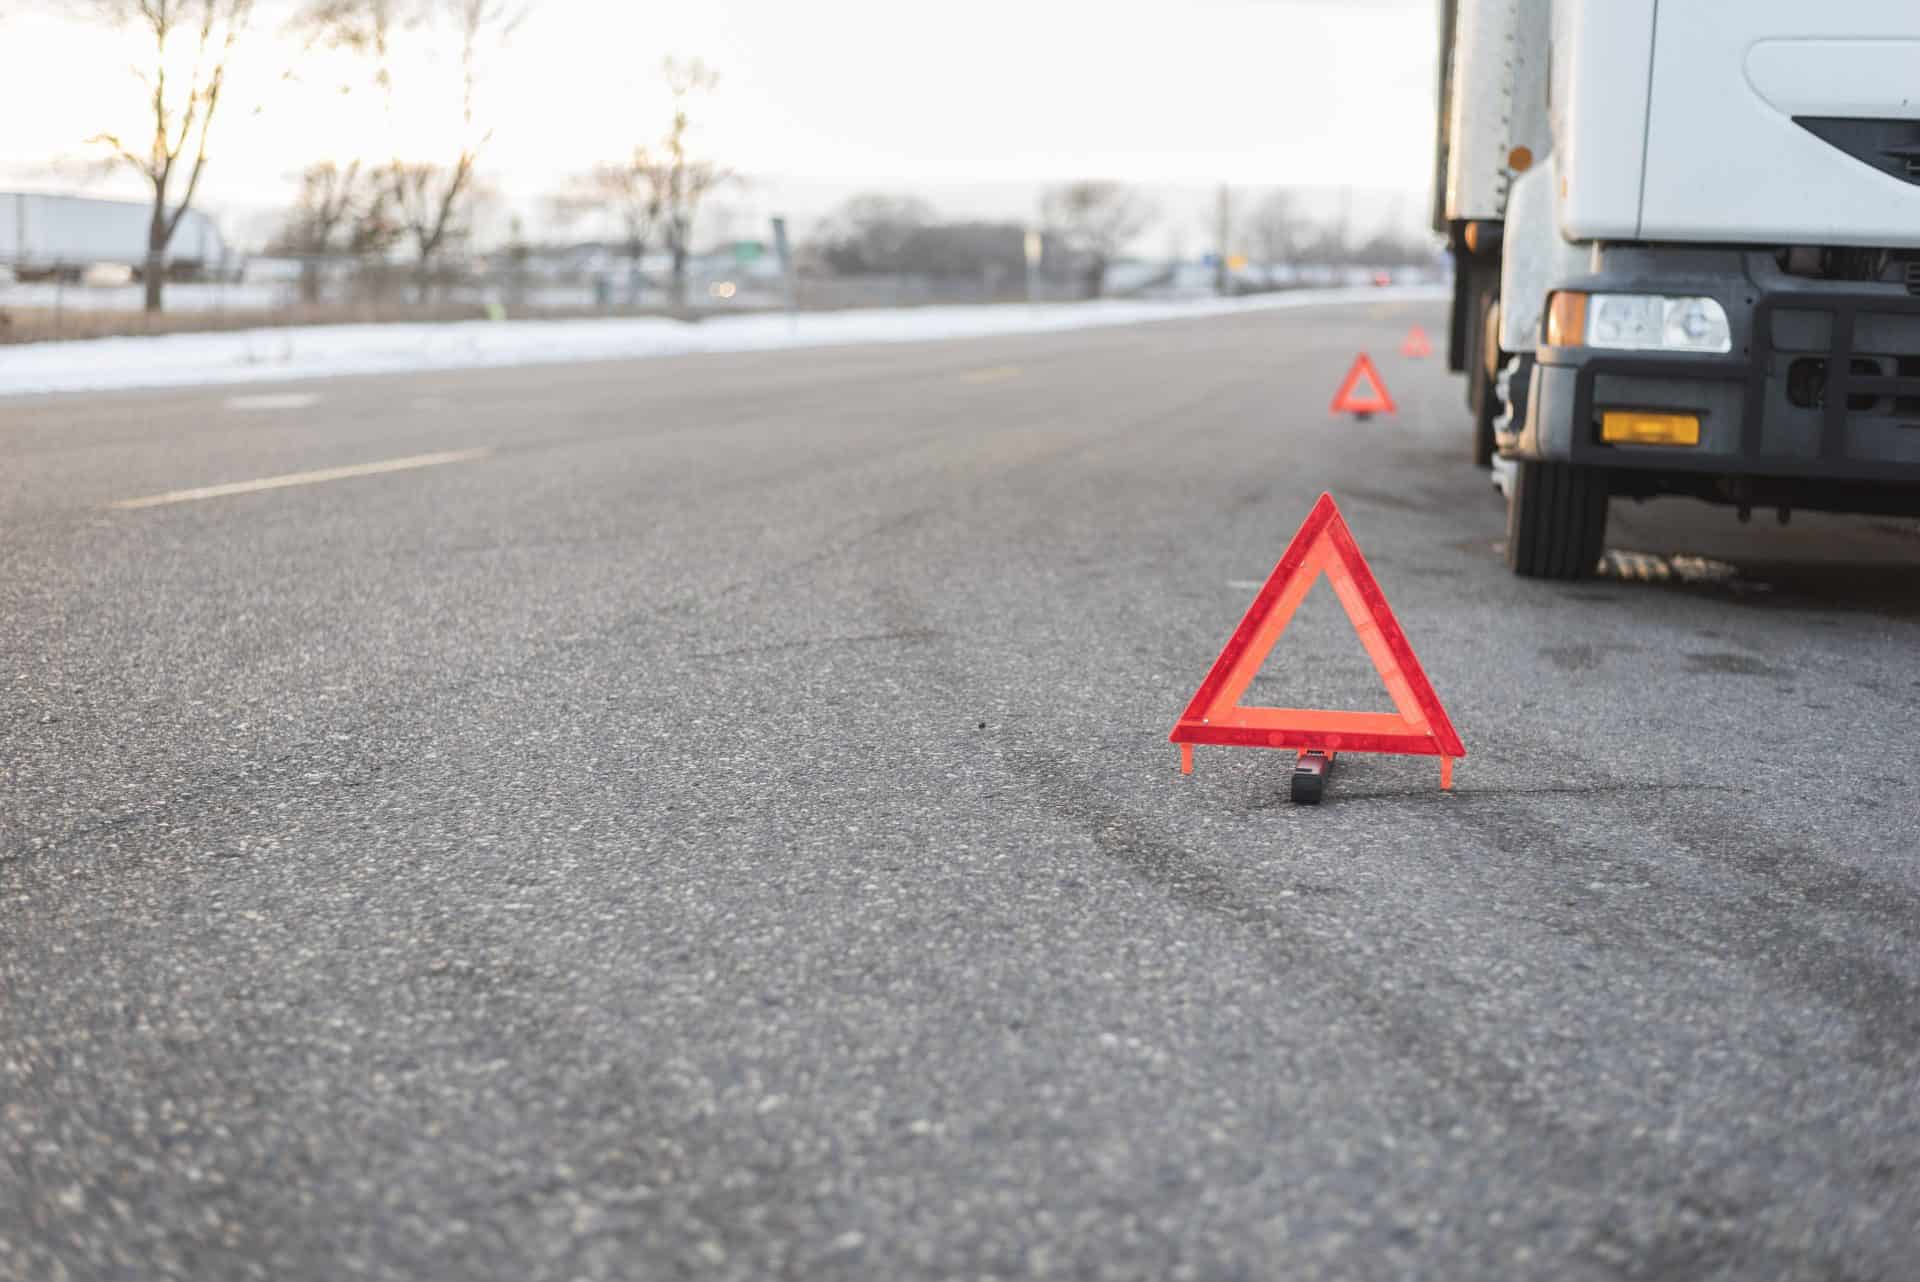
[
  {"x": 44, "y": 235},
  {"x": 1687, "y": 240}
]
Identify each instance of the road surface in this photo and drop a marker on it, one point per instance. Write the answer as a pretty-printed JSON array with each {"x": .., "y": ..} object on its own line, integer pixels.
[{"x": 713, "y": 818}]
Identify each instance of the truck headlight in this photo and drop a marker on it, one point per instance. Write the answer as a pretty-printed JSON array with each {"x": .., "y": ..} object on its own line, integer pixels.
[{"x": 1637, "y": 323}]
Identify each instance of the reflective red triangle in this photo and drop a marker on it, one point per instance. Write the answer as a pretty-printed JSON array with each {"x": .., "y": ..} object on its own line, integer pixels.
[
  {"x": 1419, "y": 726},
  {"x": 1416, "y": 344},
  {"x": 1374, "y": 401}
]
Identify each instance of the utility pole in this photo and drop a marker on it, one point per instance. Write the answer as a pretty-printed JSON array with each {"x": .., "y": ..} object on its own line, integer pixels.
[
  {"x": 784, "y": 251},
  {"x": 1346, "y": 222},
  {"x": 1223, "y": 229}
]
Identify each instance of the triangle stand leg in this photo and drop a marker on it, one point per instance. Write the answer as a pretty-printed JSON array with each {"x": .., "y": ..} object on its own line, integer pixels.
[{"x": 1310, "y": 771}]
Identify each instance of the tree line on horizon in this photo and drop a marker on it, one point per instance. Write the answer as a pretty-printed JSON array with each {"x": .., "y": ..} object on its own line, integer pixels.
[
  {"x": 1090, "y": 225},
  {"x": 374, "y": 208}
]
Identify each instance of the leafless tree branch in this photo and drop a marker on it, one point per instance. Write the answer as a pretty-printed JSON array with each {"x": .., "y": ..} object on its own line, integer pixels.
[
  {"x": 182, "y": 116},
  {"x": 1099, "y": 219}
]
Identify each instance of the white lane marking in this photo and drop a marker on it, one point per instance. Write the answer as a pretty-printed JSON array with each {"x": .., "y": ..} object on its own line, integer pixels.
[
  {"x": 995, "y": 374},
  {"x": 304, "y": 478},
  {"x": 273, "y": 401}
]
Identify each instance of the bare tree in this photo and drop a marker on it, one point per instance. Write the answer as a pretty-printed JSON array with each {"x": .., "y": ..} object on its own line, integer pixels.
[
  {"x": 432, "y": 204},
  {"x": 872, "y": 233},
  {"x": 374, "y": 229},
  {"x": 682, "y": 181},
  {"x": 1330, "y": 243},
  {"x": 329, "y": 204},
  {"x": 183, "y": 113},
  {"x": 1393, "y": 247},
  {"x": 1098, "y": 219},
  {"x": 633, "y": 192},
  {"x": 365, "y": 27},
  {"x": 656, "y": 190},
  {"x": 330, "y": 194},
  {"x": 1277, "y": 228},
  {"x": 429, "y": 201}
]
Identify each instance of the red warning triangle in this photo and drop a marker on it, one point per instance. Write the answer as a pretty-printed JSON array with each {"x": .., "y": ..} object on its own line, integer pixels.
[
  {"x": 1419, "y": 726},
  {"x": 1416, "y": 345},
  {"x": 1373, "y": 401}
]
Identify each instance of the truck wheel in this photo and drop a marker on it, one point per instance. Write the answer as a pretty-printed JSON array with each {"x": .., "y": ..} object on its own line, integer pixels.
[
  {"x": 1556, "y": 520},
  {"x": 1485, "y": 392},
  {"x": 1485, "y": 410}
]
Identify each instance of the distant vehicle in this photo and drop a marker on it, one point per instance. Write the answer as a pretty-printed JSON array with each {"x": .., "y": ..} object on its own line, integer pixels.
[
  {"x": 107, "y": 275},
  {"x": 1383, "y": 278},
  {"x": 1687, "y": 247},
  {"x": 45, "y": 237}
]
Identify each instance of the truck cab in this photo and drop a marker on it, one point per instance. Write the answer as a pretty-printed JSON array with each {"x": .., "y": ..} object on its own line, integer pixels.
[{"x": 1687, "y": 247}]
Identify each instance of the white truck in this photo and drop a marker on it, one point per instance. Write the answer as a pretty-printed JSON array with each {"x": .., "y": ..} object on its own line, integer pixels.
[
  {"x": 1687, "y": 245},
  {"x": 46, "y": 236}
]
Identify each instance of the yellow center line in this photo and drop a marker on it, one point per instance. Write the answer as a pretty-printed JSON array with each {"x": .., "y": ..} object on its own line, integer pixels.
[
  {"x": 996, "y": 374},
  {"x": 304, "y": 478}
]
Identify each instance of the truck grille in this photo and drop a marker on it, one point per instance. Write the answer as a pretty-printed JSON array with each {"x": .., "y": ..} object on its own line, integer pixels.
[{"x": 1865, "y": 360}]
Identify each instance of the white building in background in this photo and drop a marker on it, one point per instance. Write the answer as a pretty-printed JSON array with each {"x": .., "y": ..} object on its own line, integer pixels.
[{"x": 47, "y": 235}]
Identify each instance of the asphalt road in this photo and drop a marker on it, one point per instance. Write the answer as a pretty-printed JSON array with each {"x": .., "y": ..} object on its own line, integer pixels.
[{"x": 713, "y": 818}]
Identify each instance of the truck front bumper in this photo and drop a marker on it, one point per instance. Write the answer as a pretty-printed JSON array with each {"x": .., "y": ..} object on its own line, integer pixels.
[{"x": 1822, "y": 384}]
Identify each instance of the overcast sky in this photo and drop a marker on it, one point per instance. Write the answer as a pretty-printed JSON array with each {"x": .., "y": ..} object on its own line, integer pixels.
[{"x": 829, "y": 96}]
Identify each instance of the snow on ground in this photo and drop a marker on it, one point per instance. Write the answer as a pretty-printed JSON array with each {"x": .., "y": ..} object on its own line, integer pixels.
[{"x": 330, "y": 351}]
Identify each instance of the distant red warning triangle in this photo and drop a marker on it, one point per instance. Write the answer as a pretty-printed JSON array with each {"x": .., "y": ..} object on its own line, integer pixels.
[
  {"x": 1416, "y": 345},
  {"x": 1418, "y": 726},
  {"x": 1374, "y": 400}
]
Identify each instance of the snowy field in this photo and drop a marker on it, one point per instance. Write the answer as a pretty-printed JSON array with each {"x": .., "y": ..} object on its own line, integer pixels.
[{"x": 331, "y": 351}]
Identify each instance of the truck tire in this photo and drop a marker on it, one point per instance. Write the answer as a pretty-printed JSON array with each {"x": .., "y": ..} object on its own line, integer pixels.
[
  {"x": 1484, "y": 392},
  {"x": 1556, "y": 520},
  {"x": 1486, "y": 409}
]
